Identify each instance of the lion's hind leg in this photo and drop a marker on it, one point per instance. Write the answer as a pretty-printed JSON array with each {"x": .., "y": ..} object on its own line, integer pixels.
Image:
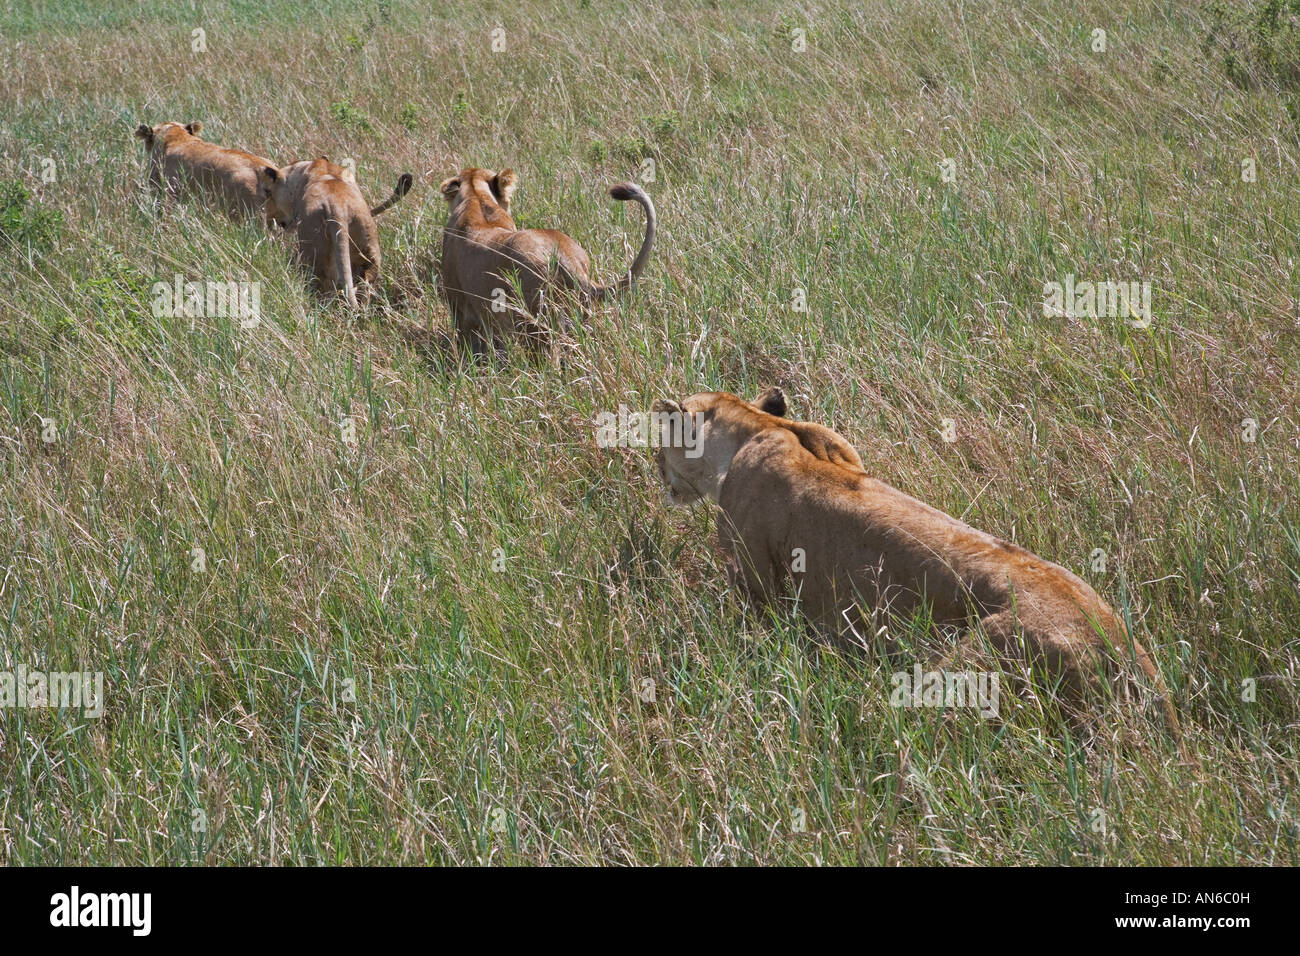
[{"x": 1041, "y": 671}]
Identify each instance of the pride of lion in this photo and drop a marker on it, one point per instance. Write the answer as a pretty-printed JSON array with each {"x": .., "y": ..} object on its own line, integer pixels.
[{"x": 799, "y": 516}]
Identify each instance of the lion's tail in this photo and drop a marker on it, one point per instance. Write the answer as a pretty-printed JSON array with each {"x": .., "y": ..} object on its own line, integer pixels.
[
  {"x": 401, "y": 189},
  {"x": 1157, "y": 683},
  {"x": 623, "y": 192},
  {"x": 343, "y": 259}
]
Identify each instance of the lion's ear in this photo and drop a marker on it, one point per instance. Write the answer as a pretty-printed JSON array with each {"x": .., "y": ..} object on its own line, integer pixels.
[
  {"x": 673, "y": 424},
  {"x": 503, "y": 185},
  {"x": 194, "y": 128},
  {"x": 450, "y": 188},
  {"x": 145, "y": 133},
  {"x": 772, "y": 401},
  {"x": 269, "y": 173}
]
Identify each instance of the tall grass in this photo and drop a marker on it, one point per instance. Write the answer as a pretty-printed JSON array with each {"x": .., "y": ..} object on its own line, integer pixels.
[{"x": 432, "y": 643}]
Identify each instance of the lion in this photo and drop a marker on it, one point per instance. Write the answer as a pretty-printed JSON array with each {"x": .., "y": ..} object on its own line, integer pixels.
[
  {"x": 488, "y": 263},
  {"x": 320, "y": 202},
  {"x": 800, "y": 514},
  {"x": 178, "y": 158}
]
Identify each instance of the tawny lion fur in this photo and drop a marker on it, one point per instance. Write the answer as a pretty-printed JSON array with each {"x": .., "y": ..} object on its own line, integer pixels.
[
  {"x": 179, "y": 159},
  {"x": 485, "y": 258},
  {"x": 337, "y": 237},
  {"x": 868, "y": 549}
]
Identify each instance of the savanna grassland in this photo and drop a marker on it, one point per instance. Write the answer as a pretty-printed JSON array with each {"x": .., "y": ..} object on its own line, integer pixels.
[{"x": 435, "y": 622}]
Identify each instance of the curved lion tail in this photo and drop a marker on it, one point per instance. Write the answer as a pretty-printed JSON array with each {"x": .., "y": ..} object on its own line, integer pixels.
[
  {"x": 401, "y": 189},
  {"x": 624, "y": 192}
]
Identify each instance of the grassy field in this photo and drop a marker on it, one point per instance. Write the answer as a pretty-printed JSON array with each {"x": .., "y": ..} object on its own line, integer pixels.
[{"x": 434, "y": 622}]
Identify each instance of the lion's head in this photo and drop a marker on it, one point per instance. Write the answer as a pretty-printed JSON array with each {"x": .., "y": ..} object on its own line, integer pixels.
[
  {"x": 697, "y": 437},
  {"x": 165, "y": 132},
  {"x": 491, "y": 190}
]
